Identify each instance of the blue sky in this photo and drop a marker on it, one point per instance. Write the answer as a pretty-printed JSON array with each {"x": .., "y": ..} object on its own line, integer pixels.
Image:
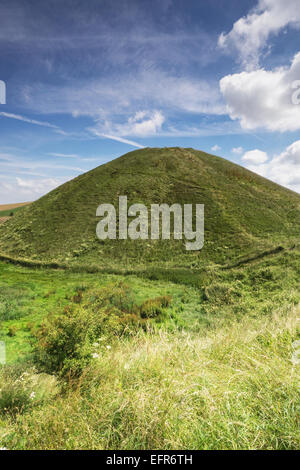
[{"x": 89, "y": 81}]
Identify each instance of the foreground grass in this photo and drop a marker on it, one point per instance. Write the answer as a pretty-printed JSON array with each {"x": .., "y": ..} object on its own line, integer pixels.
[{"x": 231, "y": 388}]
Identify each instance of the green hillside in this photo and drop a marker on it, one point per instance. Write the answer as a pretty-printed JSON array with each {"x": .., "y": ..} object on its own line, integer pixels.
[
  {"x": 142, "y": 344},
  {"x": 245, "y": 214}
]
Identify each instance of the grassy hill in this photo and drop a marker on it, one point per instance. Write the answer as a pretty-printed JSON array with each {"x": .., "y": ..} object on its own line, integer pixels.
[
  {"x": 245, "y": 214},
  {"x": 127, "y": 359}
]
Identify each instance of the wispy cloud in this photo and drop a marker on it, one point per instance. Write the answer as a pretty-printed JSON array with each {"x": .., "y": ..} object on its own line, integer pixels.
[
  {"x": 119, "y": 139},
  {"x": 18, "y": 117},
  {"x": 64, "y": 155},
  {"x": 126, "y": 94},
  {"x": 21, "y": 189}
]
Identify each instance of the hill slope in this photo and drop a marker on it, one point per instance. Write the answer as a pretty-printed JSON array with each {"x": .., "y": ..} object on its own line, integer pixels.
[{"x": 244, "y": 213}]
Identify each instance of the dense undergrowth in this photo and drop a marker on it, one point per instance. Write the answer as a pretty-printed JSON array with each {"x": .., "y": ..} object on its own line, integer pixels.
[
  {"x": 231, "y": 388},
  {"x": 160, "y": 360}
]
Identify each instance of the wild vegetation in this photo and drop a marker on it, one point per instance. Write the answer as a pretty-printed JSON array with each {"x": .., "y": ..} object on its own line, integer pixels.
[{"x": 147, "y": 346}]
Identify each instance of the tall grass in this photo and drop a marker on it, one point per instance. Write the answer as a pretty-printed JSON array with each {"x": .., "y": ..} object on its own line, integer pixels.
[{"x": 231, "y": 388}]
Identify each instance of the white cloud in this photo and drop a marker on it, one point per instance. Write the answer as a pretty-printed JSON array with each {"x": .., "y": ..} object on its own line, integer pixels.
[
  {"x": 30, "y": 121},
  {"x": 144, "y": 124},
  {"x": 13, "y": 190},
  {"x": 216, "y": 148},
  {"x": 263, "y": 98},
  {"x": 283, "y": 169},
  {"x": 237, "y": 150},
  {"x": 249, "y": 34},
  {"x": 141, "y": 124},
  {"x": 255, "y": 156},
  {"x": 34, "y": 186},
  {"x": 64, "y": 155},
  {"x": 117, "y": 138},
  {"x": 126, "y": 94}
]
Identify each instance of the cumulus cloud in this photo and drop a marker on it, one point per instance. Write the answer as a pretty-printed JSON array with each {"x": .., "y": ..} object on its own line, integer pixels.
[
  {"x": 255, "y": 156},
  {"x": 283, "y": 169},
  {"x": 249, "y": 34},
  {"x": 237, "y": 150},
  {"x": 144, "y": 124},
  {"x": 141, "y": 124},
  {"x": 216, "y": 148},
  {"x": 263, "y": 98}
]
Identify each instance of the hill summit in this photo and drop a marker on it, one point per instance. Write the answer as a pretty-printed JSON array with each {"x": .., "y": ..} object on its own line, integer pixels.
[{"x": 244, "y": 213}]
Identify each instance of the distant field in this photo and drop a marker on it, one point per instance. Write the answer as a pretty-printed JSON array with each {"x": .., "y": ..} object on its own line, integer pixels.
[{"x": 6, "y": 209}]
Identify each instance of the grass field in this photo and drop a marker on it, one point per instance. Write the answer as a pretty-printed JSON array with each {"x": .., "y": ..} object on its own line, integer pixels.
[
  {"x": 233, "y": 388},
  {"x": 216, "y": 373},
  {"x": 8, "y": 209}
]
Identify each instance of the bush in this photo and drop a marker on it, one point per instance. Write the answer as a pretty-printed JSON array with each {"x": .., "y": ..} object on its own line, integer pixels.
[{"x": 65, "y": 342}]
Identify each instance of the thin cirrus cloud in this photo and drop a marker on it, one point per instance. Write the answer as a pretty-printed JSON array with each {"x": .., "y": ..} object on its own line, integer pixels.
[
  {"x": 249, "y": 35},
  {"x": 118, "y": 139},
  {"x": 28, "y": 120},
  {"x": 126, "y": 94},
  {"x": 64, "y": 155}
]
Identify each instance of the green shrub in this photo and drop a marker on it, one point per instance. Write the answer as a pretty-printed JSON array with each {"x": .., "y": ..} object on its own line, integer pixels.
[{"x": 65, "y": 342}]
